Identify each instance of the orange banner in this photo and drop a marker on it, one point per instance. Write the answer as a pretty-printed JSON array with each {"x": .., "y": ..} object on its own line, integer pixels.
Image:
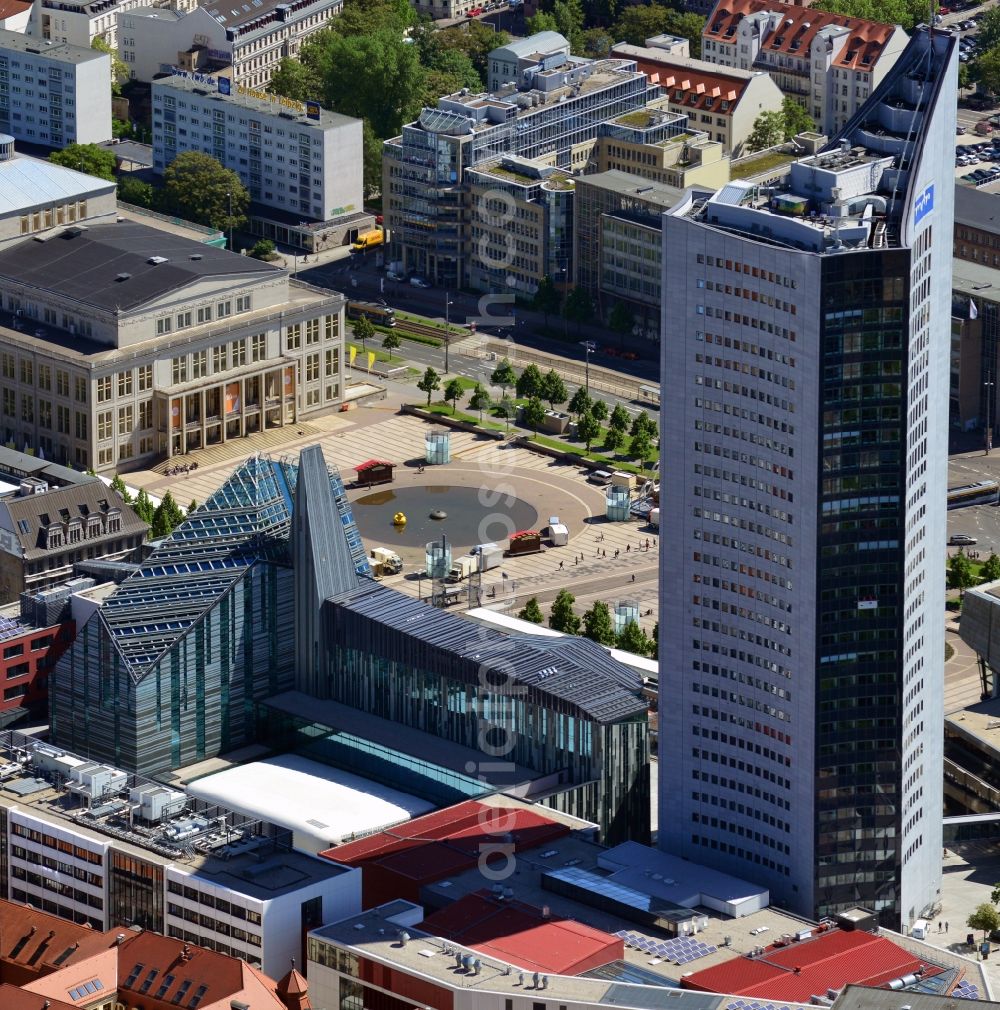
[
  {"x": 175, "y": 413},
  {"x": 290, "y": 380},
  {"x": 233, "y": 398}
]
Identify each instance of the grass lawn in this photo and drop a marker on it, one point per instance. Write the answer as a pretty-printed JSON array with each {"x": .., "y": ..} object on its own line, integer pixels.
[
  {"x": 762, "y": 163},
  {"x": 444, "y": 410}
]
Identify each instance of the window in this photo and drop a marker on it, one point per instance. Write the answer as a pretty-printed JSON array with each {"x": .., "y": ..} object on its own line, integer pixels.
[
  {"x": 332, "y": 326},
  {"x": 146, "y": 415},
  {"x": 27, "y": 372},
  {"x": 125, "y": 383},
  {"x": 258, "y": 347},
  {"x": 62, "y": 382},
  {"x": 293, "y": 337},
  {"x": 312, "y": 331},
  {"x": 81, "y": 389},
  {"x": 199, "y": 364},
  {"x": 183, "y": 320},
  {"x": 81, "y": 425},
  {"x": 220, "y": 358},
  {"x": 163, "y": 326},
  {"x": 27, "y": 408},
  {"x": 45, "y": 414},
  {"x": 243, "y": 303},
  {"x": 224, "y": 309},
  {"x": 179, "y": 370},
  {"x": 238, "y": 353},
  {"x": 205, "y": 314},
  {"x": 104, "y": 389},
  {"x": 125, "y": 420},
  {"x": 312, "y": 367},
  {"x": 145, "y": 378},
  {"x": 105, "y": 425},
  {"x": 62, "y": 419}
]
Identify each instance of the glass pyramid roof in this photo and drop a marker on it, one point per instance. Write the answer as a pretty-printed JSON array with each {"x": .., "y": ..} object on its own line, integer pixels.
[{"x": 247, "y": 520}]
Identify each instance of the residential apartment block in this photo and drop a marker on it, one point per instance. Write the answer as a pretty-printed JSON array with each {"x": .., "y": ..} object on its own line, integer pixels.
[
  {"x": 121, "y": 343},
  {"x": 27, "y": 654},
  {"x": 301, "y": 160},
  {"x": 551, "y": 114},
  {"x": 52, "y": 93},
  {"x": 52, "y": 517},
  {"x": 618, "y": 243},
  {"x": 77, "y": 22},
  {"x": 242, "y": 42},
  {"x": 722, "y": 103},
  {"x": 828, "y": 63},
  {"x": 807, "y": 332},
  {"x": 91, "y": 843}
]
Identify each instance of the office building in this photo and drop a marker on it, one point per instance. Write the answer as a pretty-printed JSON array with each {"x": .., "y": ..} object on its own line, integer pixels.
[
  {"x": 298, "y": 162},
  {"x": 807, "y": 331},
  {"x": 507, "y": 63},
  {"x": 134, "y": 852},
  {"x": 977, "y": 227},
  {"x": 522, "y": 225},
  {"x": 618, "y": 243},
  {"x": 722, "y": 102},
  {"x": 27, "y": 654},
  {"x": 975, "y": 352},
  {"x": 662, "y": 146},
  {"x": 122, "y": 343},
  {"x": 829, "y": 63},
  {"x": 52, "y": 517},
  {"x": 37, "y": 195},
  {"x": 52, "y": 93},
  {"x": 550, "y": 113}
]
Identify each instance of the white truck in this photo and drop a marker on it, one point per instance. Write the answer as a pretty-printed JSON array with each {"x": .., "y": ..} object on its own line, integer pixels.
[
  {"x": 490, "y": 556},
  {"x": 558, "y": 533},
  {"x": 385, "y": 561},
  {"x": 463, "y": 567}
]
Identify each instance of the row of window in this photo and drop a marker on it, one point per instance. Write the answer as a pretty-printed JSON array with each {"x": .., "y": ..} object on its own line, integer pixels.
[
  {"x": 202, "y": 315},
  {"x": 141, "y": 379}
]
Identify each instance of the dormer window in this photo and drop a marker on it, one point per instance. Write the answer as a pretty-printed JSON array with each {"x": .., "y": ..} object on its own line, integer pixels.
[
  {"x": 114, "y": 522},
  {"x": 93, "y": 527},
  {"x": 74, "y": 532},
  {"x": 53, "y": 538}
]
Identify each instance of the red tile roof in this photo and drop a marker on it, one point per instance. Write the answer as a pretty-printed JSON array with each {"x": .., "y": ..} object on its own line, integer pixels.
[
  {"x": 8, "y": 8},
  {"x": 809, "y": 967},
  {"x": 703, "y": 89},
  {"x": 13, "y": 998},
  {"x": 798, "y": 29},
  {"x": 519, "y": 934},
  {"x": 369, "y": 463}
]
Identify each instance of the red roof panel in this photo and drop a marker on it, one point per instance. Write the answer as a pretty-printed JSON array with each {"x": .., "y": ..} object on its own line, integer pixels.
[{"x": 369, "y": 463}]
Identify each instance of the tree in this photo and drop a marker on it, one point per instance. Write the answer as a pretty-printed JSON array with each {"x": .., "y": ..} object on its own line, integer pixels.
[
  {"x": 640, "y": 22},
  {"x": 796, "y": 119},
  {"x": 569, "y": 20},
  {"x": 454, "y": 391},
  {"x": 596, "y": 43},
  {"x": 986, "y": 70},
  {"x": 641, "y": 447},
  {"x": 390, "y": 342},
  {"x": 995, "y": 894},
  {"x": 480, "y": 400},
  {"x": 529, "y": 382},
  {"x": 429, "y": 383},
  {"x": 561, "y": 616},
  {"x": 587, "y": 428},
  {"x": 614, "y": 439},
  {"x": 633, "y": 639},
  {"x": 643, "y": 422},
  {"x": 198, "y": 188},
  {"x": 960, "y": 573},
  {"x": 768, "y": 130},
  {"x": 553, "y": 388},
  {"x": 87, "y": 158},
  {"x": 985, "y": 917},
  {"x": 119, "y": 68},
  {"x": 531, "y": 611},
  {"x": 294, "y": 79},
  {"x": 621, "y": 320},
  {"x": 193, "y": 507},
  {"x": 597, "y": 624},
  {"x": 364, "y": 330},
  {"x": 619, "y": 419},
  {"x": 541, "y": 22},
  {"x": 476, "y": 40},
  {"x": 167, "y": 516},
  {"x": 546, "y": 298},
  {"x": 135, "y": 192},
  {"x": 907, "y": 13},
  {"x": 656, "y": 636},
  {"x": 371, "y": 155},
  {"x": 578, "y": 308},
  {"x": 600, "y": 410},
  {"x": 990, "y": 571},
  {"x": 581, "y": 401},
  {"x": 119, "y": 485},
  {"x": 143, "y": 507},
  {"x": 504, "y": 376},
  {"x": 964, "y": 76},
  {"x": 263, "y": 249},
  {"x": 533, "y": 414},
  {"x": 507, "y": 409}
]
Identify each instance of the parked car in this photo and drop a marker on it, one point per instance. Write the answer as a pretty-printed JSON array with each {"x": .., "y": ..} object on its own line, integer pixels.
[
  {"x": 961, "y": 540},
  {"x": 419, "y": 282}
]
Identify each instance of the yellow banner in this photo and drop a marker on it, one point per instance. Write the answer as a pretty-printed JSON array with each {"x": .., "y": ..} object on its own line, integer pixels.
[
  {"x": 354, "y": 354},
  {"x": 371, "y": 360},
  {"x": 264, "y": 96}
]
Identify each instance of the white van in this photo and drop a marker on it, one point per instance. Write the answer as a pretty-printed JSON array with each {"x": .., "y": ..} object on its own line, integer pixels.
[{"x": 920, "y": 929}]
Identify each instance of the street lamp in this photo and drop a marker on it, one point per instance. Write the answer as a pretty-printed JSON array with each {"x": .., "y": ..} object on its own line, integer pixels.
[
  {"x": 229, "y": 221},
  {"x": 988, "y": 386},
  {"x": 447, "y": 330},
  {"x": 589, "y": 347}
]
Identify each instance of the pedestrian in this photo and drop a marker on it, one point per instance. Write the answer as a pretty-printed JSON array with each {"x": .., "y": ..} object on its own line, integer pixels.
[
  {"x": 940, "y": 927},
  {"x": 633, "y": 578},
  {"x": 946, "y": 925},
  {"x": 628, "y": 547},
  {"x": 561, "y": 563},
  {"x": 647, "y": 543},
  {"x": 617, "y": 551},
  {"x": 576, "y": 561}
]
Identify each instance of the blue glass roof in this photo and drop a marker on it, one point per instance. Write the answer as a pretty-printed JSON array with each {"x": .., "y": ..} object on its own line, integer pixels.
[{"x": 246, "y": 521}]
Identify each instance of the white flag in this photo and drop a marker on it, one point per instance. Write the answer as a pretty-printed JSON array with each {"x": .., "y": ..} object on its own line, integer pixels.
[{"x": 973, "y": 311}]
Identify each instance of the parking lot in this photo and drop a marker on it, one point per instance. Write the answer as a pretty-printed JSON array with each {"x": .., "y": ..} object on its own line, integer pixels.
[{"x": 979, "y": 521}]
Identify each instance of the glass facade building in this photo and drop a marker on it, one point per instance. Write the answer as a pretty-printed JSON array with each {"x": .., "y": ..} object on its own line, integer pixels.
[{"x": 802, "y": 593}]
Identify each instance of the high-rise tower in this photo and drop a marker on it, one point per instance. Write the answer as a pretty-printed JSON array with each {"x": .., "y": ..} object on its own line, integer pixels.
[{"x": 807, "y": 327}]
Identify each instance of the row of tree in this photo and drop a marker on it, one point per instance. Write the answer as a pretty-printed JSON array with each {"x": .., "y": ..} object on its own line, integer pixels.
[
  {"x": 962, "y": 572},
  {"x": 596, "y": 624},
  {"x": 161, "y": 519}
]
